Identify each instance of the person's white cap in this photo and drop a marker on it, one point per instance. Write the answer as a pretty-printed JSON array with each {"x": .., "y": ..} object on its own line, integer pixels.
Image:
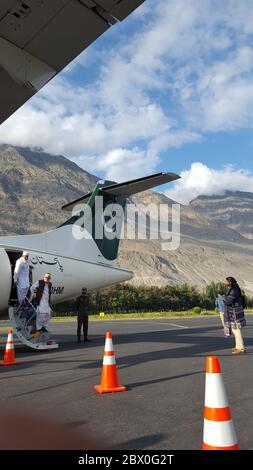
[{"x": 25, "y": 253}]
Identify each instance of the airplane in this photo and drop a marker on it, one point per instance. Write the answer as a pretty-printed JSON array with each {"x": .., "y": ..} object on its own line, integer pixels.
[
  {"x": 38, "y": 38},
  {"x": 73, "y": 261}
]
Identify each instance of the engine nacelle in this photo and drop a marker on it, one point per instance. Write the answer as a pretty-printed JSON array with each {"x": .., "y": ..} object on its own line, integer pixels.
[{"x": 5, "y": 280}]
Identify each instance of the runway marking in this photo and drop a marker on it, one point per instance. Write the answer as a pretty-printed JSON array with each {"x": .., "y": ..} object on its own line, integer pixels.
[
  {"x": 160, "y": 331},
  {"x": 173, "y": 324},
  {"x": 178, "y": 326},
  {"x": 157, "y": 322}
]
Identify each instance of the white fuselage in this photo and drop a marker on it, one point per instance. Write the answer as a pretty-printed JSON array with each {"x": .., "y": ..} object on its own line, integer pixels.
[{"x": 69, "y": 275}]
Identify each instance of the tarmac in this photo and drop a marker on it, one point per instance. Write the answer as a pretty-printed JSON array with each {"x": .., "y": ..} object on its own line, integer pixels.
[{"x": 162, "y": 364}]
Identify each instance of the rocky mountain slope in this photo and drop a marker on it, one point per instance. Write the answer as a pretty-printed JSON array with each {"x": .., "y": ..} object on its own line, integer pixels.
[
  {"x": 216, "y": 236},
  {"x": 208, "y": 251},
  {"x": 34, "y": 186},
  {"x": 233, "y": 210}
]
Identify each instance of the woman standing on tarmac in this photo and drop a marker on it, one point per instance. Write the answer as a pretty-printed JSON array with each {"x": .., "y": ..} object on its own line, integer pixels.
[{"x": 234, "y": 314}]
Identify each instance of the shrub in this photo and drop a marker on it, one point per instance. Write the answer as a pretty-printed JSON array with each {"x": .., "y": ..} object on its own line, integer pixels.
[{"x": 197, "y": 310}]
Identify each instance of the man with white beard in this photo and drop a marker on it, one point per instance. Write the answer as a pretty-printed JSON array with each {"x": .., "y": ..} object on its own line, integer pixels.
[
  {"x": 42, "y": 291},
  {"x": 21, "y": 276}
]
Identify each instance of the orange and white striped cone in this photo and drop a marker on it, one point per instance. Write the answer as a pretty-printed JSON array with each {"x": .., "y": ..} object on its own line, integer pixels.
[
  {"x": 109, "y": 377},
  {"x": 219, "y": 432},
  {"x": 9, "y": 355}
]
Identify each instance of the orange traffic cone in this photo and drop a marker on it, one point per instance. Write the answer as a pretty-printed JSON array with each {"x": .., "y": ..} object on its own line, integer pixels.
[
  {"x": 219, "y": 433},
  {"x": 109, "y": 378},
  {"x": 9, "y": 355}
]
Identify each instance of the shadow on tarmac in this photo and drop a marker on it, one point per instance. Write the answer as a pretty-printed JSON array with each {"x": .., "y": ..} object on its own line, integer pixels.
[
  {"x": 160, "y": 380},
  {"x": 192, "y": 342},
  {"x": 144, "y": 442}
]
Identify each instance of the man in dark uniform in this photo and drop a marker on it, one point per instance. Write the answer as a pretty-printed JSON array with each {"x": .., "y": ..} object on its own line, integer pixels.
[{"x": 83, "y": 315}]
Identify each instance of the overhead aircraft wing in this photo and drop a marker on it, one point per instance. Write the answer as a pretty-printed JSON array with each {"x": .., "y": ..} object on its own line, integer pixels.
[
  {"x": 128, "y": 188},
  {"x": 141, "y": 184},
  {"x": 38, "y": 38}
]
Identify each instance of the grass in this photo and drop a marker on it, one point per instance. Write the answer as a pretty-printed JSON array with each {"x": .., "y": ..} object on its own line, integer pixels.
[
  {"x": 133, "y": 316},
  {"x": 143, "y": 315},
  {"x": 5, "y": 324},
  {"x": 136, "y": 316}
]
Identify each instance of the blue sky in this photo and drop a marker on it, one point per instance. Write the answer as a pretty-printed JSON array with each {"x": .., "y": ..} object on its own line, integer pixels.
[{"x": 168, "y": 89}]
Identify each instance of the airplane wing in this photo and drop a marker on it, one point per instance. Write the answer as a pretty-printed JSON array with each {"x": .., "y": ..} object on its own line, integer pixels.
[
  {"x": 38, "y": 38},
  {"x": 128, "y": 187},
  {"x": 141, "y": 184}
]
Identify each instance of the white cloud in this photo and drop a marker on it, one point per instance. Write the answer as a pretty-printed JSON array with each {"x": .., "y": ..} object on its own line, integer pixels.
[
  {"x": 222, "y": 97},
  {"x": 185, "y": 70},
  {"x": 120, "y": 162},
  {"x": 200, "y": 180}
]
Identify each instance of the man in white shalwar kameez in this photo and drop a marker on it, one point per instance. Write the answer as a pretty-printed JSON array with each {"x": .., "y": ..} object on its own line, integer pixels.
[
  {"x": 42, "y": 291},
  {"x": 21, "y": 276}
]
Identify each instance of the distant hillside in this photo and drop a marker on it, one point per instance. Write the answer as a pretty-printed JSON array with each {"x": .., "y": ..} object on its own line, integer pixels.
[
  {"x": 34, "y": 186},
  {"x": 209, "y": 251},
  {"x": 216, "y": 232},
  {"x": 233, "y": 209}
]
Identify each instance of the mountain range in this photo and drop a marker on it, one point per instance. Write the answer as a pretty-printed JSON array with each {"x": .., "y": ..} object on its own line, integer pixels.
[{"x": 216, "y": 231}]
